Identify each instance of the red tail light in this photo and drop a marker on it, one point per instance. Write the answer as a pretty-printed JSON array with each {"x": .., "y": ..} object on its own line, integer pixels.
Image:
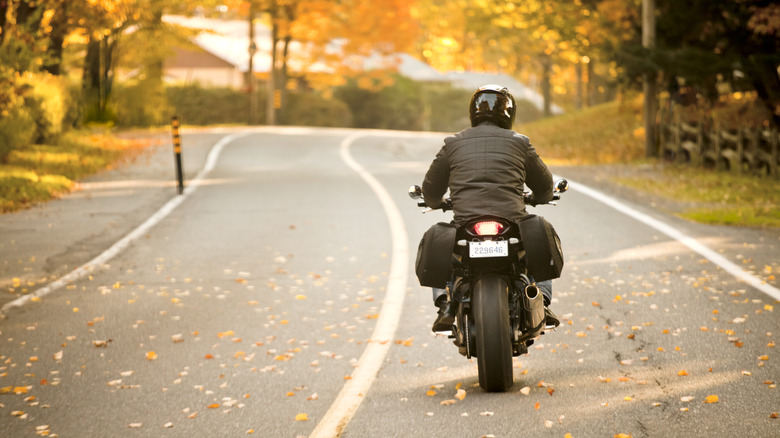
[{"x": 489, "y": 228}]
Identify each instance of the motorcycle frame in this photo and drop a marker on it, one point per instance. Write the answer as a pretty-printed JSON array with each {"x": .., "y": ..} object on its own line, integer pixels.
[{"x": 466, "y": 272}]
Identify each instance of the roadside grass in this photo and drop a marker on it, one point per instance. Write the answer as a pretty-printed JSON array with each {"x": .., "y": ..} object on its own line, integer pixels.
[
  {"x": 40, "y": 173},
  {"x": 605, "y": 134},
  {"x": 720, "y": 198},
  {"x": 612, "y": 133}
]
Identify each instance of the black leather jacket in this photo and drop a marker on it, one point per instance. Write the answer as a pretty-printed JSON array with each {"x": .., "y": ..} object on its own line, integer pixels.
[{"x": 485, "y": 168}]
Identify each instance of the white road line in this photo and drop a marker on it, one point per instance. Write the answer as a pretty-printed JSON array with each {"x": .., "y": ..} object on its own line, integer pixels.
[
  {"x": 690, "y": 242},
  {"x": 141, "y": 230},
  {"x": 354, "y": 391}
]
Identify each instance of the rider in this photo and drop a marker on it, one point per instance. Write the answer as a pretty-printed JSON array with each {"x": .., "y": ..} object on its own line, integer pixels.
[{"x": 485, "y": 168}]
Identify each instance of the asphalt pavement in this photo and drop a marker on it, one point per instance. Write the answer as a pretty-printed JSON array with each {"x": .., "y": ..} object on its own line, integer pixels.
[
  {"x": 247, "y": 309},
  {"x": 45, "y": 242},
  {"x": 41, "y": 244}
]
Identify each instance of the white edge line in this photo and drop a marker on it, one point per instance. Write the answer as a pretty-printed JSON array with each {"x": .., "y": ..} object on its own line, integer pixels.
[
  {"x": 354, "y": 390},
  {"x": 94, "y": 264},
  {"x": 690, "y": 242}
]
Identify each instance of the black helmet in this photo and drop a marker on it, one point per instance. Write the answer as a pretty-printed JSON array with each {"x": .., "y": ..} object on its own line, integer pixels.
[{"x": 492, "y": 103}]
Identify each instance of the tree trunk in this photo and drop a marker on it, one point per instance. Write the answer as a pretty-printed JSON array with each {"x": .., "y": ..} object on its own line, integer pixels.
[
  {"x": 3, "y": 19},
  {"x": 579, "y": 98},
  {"x": 27, "y": 16},
  {"x": 650, "y": 78},
  {"x": 59, "y": 30},
  {"x": 270, "y": 113},
  {"x": 91, "y": 78},
  {"x": 591, "y": 86},
  {"x": 250, "y": 77},
  {"x": 546, "y": 86},
  {"x": 764, "y": 78}
]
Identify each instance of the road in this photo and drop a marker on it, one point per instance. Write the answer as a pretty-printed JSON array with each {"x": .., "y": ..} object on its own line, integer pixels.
[{"x": 251, "y": 305}]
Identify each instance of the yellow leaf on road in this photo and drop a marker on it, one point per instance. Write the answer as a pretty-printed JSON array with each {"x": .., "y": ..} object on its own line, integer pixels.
[
  {"x": 711, "y": 399},
  {"x": 302, "y": 417}
]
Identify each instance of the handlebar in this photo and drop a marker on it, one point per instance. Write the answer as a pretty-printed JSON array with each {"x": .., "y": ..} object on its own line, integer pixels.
[{"x": 415, "y": 192}]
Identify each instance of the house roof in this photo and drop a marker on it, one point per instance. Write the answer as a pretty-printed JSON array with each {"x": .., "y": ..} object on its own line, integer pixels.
[{"x": 229, "y": 40}]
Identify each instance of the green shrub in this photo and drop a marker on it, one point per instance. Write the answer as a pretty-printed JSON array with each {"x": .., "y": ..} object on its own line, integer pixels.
[
  {"x": 398, "y": 106},
  {"x": 197, "y": 105},
  {"x": 17, "y": 131},
  {"x": 48, "y": 100},
  {"x": 449, "y": 107},
  {"x": 141, "y": 103},
  {"x": 311, "y": 109}
]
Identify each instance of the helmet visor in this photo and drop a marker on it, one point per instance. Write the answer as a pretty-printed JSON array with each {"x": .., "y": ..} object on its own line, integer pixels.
[{"x": 493, "y": 104}]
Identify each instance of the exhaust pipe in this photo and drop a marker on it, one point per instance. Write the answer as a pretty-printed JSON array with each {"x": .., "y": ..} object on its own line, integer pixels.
[{"x": 533, "y": 311}]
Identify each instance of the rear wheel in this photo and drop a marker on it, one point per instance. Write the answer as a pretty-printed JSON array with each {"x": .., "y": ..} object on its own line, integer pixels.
[{"x": 490, "y": 301}]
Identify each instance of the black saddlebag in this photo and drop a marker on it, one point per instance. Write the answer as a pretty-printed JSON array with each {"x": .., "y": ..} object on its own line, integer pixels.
[
  {"x": 434, "y": 256},
  {"x": 544, "y": 257}
]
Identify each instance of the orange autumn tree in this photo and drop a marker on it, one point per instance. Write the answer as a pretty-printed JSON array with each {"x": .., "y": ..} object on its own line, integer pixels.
[{"x": 326, "y": 41}]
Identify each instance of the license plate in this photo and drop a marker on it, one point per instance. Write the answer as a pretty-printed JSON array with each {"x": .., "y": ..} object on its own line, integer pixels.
[{"x": 499, "y": 248}]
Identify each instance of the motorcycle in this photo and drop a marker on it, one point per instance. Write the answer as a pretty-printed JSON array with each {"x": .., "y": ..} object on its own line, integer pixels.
[{"x": 500, "y": 309}]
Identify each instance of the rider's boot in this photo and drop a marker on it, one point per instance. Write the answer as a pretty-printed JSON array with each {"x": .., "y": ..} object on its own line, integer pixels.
[
  {"x": 550, "y": 319},
  {"x": 445, "y": 317}
]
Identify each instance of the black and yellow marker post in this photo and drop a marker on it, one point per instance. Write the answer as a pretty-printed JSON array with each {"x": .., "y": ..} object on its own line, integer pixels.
[{"x": 177, "y": 154}]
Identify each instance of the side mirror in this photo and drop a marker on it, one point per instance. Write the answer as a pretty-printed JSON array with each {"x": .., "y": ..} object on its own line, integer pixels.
[
  {"x": 561, "y": 185},
  {"x": 415, "y": 192}
]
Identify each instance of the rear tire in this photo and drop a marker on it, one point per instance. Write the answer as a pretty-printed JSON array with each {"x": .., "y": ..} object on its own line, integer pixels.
[{"x": 490, "y": 302}]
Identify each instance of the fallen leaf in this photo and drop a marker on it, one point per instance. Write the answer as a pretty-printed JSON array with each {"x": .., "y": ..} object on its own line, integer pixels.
[
  {"x": 151, "y": 355},
  {"x": 134, "y": 425},
  {"x": 682, "y": 373},
  {"x": 687, "y": 398},
  {"x": 302, "y": 417},
  {"x": 537, "y": 406},
  {"x": 430, "y": 393},
  {"x": 711, "y": 399},
  {"x": 448, "y": 402},
  {"x": 460, "y": 395},
  {"x": 526, "y": 390}
]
